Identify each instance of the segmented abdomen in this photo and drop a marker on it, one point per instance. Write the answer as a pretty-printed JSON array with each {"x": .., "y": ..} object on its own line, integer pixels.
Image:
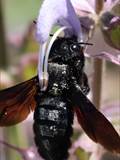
[{"x": 52, "y": 128}]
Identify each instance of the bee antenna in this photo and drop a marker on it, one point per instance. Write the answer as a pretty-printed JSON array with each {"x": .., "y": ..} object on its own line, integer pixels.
[
  {"x": 34, "y": 21},
  {"x": 86, "y": 43},
  {"x": 51, "y": 35}
]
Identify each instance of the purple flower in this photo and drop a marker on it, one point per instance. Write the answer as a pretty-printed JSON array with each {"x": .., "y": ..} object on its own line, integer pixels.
[
  {"x": 106, "y": 22},
  {"x": 62, "y": 13},
  {"x": 56, "y": 12}
]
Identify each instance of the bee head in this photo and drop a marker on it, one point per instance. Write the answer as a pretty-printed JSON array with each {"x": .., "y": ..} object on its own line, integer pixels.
[{"x": 66, "y": 51}]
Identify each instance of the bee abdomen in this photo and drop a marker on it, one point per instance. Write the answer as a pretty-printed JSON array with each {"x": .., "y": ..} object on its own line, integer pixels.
[{"x": 53, "y": 128}]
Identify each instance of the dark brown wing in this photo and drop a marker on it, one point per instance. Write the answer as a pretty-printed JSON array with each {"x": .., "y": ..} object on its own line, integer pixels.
[
  {"x": 94, "y": 123},
  {"x": 17, "y": 102}
]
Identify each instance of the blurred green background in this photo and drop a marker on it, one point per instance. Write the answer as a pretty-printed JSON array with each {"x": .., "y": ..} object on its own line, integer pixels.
[{"x": 18, "y": 13}]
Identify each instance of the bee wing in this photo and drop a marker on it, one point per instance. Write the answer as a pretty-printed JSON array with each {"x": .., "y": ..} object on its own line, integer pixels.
[
  {"x": 94, "y": 123},
  {"x": 17, "y": 102}
]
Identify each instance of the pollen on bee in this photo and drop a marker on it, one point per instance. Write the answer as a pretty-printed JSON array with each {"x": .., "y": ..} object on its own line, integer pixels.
[
  {"x": 5, "y": 113},
  {"x": 2, "y": 114}
]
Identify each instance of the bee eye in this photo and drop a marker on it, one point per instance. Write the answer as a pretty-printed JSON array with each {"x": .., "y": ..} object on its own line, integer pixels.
[
  {"x": 64, "y": 47},
  {"x": 74, "y": 47}
]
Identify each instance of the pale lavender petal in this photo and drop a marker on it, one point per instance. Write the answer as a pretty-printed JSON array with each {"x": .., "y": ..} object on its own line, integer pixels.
[
  {"x": 89, "y": 5},
  {"x": 84, "y": 5},
  {"x": 85, "y": 143},
  {"x": 107, "y": 56},
  {"x": 111, "y": 109},
  {"x": 109, "y": 4},
  {"x": 32, "y": 154},
  {"x": 53, "y": 11}
]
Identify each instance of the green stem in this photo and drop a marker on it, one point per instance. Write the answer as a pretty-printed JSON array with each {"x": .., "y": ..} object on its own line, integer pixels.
[
  {"x": 97, "y": 64},
  {"x": 99, "y": 6},
  {"x": 3, "y": 52},
  {"x": 97, "y": 82},
  {"x": 15, "y": 136}
]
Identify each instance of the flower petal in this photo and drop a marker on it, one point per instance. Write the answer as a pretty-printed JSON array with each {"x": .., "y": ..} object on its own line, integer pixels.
[
  {"x": 52, "y": 12},
  {"x": 107, "y": 56},
  {"x": 85, "y": 5}
]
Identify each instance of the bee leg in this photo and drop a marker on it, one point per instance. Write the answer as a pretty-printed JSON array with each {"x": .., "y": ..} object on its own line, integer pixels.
[{"x": 84, "y": 84}]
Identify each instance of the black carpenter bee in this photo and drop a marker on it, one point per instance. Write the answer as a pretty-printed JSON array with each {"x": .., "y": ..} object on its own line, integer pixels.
[{"x": 54, "y": 108}]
